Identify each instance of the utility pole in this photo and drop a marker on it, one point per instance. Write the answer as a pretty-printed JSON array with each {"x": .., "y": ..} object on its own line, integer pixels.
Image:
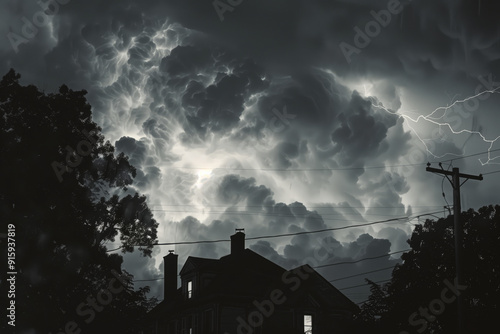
[{"x": 458, "y": 230}]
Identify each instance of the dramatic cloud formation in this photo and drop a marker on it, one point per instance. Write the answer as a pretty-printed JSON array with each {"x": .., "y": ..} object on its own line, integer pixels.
[{"x": 254, "y": 117}]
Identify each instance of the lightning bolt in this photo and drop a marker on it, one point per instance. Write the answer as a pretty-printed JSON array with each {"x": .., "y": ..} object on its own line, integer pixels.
[{"x": 437, "y": 120}]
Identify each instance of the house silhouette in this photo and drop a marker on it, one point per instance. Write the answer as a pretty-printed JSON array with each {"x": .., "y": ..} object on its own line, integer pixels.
[{"x": 244, "y": 293}]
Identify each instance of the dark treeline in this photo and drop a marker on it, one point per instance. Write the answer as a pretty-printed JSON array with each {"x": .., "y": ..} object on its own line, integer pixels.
[
  {"x": 65, "y": 194},
  {"x": 421, "y": 296}
]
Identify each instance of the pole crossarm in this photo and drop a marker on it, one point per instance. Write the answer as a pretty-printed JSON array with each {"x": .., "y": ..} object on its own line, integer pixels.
[
  {"x": 449, "y": 172},
  {"x": 458, "y": 231}
]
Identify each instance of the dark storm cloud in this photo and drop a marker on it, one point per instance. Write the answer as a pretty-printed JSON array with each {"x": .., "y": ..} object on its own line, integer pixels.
[
  {"x": 145, "y": 269},
  {"x": 213, "y": 87},
  {"x": 296, "y": 33},
  {"x": 313, "y": 222},
  {"x": 234, "y": 189},
  {"x": 386, "y": 191},
  {"x": 361, "y": 132},
  {"x": 425, "y": 38},
  {"x": 397, "y": 236},
  {"x": 265, "y": 249},
  {"x": 400, "y": 140},
  {"x": 314, "y": 249},
  {"x": 155, "y": 129},
  {"x": 296, "y": 208},
  {"x": 191, "y": 228},
  {"x": 324, "y": 250},
  {"x": 186, "y": 60},
  {"x": 261, "y": 214},
  {"x": 388, "y": 92},
  {"x": 161, "y": 136},
  {"x": 284, "y": 153},
  {"x": 443, "y": 146},
  {"x": 218, "y": 107},
  {"x": 254, "y": 206},
  {"x": 461, "y": 34},
  {"x": 343, "y": 210},
  {"x": 377, "y": 247},
  {"x": 135, "y": 150},
  {"x": 332, "y": 127},
  {"x": 313, "y": 97},
  {"x": 149, "y": 176},
  {"x": 279, "y": 218}
]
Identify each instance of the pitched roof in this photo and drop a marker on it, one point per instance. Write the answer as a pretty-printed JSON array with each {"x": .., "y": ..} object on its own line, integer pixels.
[
  {"x": 326, "y": 291},
  {"x": 197, "y": 263},
  {"x": 248, "y": 276}
]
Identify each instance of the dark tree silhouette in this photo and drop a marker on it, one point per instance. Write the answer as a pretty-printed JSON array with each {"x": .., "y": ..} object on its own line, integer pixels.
[
  {"x": 375, "y": 306},
  {"x": 67, "y": 195},
  {"x": 420, "y": 297}
]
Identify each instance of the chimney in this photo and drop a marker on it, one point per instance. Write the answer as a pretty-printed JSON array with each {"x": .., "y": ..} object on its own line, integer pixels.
[
  {"x": 170, "y": 274},
  {"x": 238, "y": 241}
]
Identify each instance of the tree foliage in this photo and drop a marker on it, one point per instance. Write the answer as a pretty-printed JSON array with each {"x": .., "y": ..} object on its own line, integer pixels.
[
  {"x": 67, "y": 195},
  {"x": 420, "y": 299}
]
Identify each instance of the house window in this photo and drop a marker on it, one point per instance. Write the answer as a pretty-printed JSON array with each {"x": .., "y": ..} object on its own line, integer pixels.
[
  {"x": 308, "y": 324},
  {"x": 190, "y": 289}
]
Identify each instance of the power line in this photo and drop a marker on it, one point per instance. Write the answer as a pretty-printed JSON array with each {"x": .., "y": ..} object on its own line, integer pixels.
[
  {"x": 360, "y": 274},
  {"x": 335, "y": 228},
  {"x": 297, "y": 169},
  {"x": 338, "y": 279},
  {"x": 311, "y": 207},
  {"x": 271, "y": 214},
  {"x": 362, "y": 259},
  {"x": 498, "y": 171},
  {"x": 290, "y": 215},
  {"x": 280, "y": 235},
  {"x": 277, "y": 214},
  {"x": 470, "y": 155},
  {"x": 326, "y": 229},
  {"x": 324, "y": 216},
  {"x": 327, "y": 169},
  {"x": 298, "y": 216}
]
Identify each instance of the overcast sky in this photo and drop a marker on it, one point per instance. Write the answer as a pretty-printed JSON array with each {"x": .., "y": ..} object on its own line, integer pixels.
[{"x": 279, "y": 116}]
